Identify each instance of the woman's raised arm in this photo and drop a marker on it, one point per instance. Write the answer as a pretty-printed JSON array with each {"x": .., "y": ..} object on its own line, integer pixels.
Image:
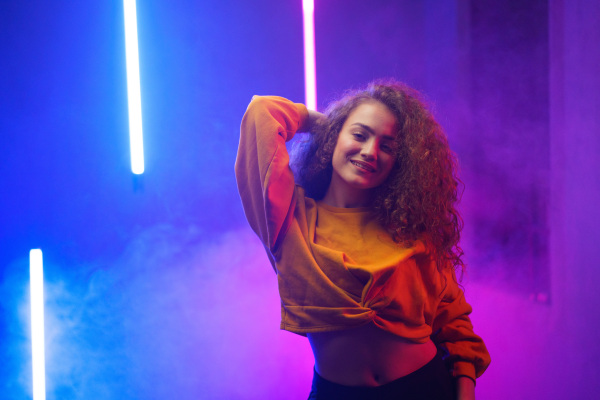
[{"x": 265, "y": 180}]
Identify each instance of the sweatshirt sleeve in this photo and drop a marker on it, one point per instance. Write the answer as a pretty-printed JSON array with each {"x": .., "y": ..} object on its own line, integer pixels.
[
  {"x": 466, "y": 353},
  {"x": 264, "y": 178}
]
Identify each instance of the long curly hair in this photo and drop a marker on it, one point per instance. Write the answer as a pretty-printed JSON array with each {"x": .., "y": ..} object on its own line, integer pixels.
[{"x": 418, "y": 199}]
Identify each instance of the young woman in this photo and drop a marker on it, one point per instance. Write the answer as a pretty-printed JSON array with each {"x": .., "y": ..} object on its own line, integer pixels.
[{"x": 364, "y": 241}]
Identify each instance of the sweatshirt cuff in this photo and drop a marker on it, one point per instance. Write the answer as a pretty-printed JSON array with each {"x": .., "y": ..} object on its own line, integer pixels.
[
  {"x": 303, "y": 112},
  {"x": 463, "y": 368}
]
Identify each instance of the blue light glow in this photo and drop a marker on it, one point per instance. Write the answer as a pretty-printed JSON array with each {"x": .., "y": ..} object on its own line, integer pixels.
[
  {"x": 133, "y": 88},
  {"x": 37, "y": 324}
]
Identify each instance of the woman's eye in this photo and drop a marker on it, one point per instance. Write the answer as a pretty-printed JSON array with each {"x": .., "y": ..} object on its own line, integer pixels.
[
  {"x": 387, "y": 148},
  {"x": 358, "y": 136}
]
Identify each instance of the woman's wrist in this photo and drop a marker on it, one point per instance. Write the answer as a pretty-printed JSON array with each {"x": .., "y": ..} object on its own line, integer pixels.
[{"x": 465, "y": 388}]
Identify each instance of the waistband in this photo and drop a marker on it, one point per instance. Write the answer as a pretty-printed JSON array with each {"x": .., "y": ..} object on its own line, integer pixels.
[{"x": 432, "y": 381}]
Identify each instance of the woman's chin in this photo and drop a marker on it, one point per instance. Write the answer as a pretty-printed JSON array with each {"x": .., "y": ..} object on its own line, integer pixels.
[{"x": 364, "y": 184}]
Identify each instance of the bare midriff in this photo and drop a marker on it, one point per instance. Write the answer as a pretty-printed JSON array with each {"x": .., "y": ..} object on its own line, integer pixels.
[{"x": 367, "y": 356}]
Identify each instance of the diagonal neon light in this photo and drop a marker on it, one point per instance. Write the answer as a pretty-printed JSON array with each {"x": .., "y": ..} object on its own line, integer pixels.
[
  {"x": 310, "y": 70},
  {"x": 36, "y": 287},
  {"x": 133, "y": 88}
]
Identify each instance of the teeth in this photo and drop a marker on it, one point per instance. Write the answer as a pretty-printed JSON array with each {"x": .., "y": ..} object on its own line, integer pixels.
[{"x": 363, "y": 166}]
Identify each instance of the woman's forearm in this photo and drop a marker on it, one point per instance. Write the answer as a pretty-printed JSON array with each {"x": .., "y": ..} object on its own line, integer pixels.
[{"x": 465, "y": 388}]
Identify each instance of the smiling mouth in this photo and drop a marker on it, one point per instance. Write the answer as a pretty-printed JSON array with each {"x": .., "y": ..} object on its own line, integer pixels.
[{"x": 363, "y": 166}]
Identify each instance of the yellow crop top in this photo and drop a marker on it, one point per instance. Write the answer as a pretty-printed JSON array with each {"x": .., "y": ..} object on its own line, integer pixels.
[{"x": 337, "y": 268}]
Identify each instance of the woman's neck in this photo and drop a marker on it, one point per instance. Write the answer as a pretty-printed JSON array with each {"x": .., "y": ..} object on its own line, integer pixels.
[{"x": 343, "y": 196}]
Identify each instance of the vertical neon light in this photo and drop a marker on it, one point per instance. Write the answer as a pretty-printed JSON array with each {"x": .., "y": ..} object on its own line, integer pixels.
[
  {"x": 36, "y": 287},
  {"x": 133, "y": 88},
  {"x": 310, "y": 70}
]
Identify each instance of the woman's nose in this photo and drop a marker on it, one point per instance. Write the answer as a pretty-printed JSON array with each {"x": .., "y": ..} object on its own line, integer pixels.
[{"x": 369, "y": 150}]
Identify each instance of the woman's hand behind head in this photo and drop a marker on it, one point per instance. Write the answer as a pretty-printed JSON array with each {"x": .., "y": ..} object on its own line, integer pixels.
[{"x": 314, "y": 118}]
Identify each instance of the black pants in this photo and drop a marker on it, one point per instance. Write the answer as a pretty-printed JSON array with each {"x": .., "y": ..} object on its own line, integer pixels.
[{"x": 431, "y": 382}]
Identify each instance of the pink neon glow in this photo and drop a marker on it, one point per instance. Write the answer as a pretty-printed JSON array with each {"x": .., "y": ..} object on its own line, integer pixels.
[{"x": 310, "y": 70}]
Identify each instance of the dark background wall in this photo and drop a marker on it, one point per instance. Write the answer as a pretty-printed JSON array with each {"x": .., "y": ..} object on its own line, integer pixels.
[{"x": 156, "y": 288}]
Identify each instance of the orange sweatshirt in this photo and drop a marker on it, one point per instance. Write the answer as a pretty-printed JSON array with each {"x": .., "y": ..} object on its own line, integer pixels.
[{"x": 337, "y": 268}]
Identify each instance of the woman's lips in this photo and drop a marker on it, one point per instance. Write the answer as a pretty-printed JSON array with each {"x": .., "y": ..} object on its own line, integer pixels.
[{"x": 363, "y": 165}]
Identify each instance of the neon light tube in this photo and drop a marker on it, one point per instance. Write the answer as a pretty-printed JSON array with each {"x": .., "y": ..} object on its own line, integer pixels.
[
  {"x": 133, "y": 88},
  {"x": 310, "y": 70},
  {"x": 36, "y": 287}
]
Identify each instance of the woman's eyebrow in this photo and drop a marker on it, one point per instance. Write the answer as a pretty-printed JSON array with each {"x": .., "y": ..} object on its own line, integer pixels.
[{"x": 365, "y": 127}]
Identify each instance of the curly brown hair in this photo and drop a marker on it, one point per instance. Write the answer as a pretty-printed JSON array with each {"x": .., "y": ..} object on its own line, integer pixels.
[{"x": 418, "y": 199}]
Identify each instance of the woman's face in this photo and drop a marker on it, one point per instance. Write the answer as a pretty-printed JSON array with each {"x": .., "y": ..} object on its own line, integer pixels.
[{"x": 365, "y": 151}]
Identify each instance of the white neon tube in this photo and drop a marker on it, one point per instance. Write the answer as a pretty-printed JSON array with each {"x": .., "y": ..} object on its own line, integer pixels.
[
  {"x": 36, "y": 287},
  {"x": 310, "y": 70},
  {"x": 133, "y": 88}
]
